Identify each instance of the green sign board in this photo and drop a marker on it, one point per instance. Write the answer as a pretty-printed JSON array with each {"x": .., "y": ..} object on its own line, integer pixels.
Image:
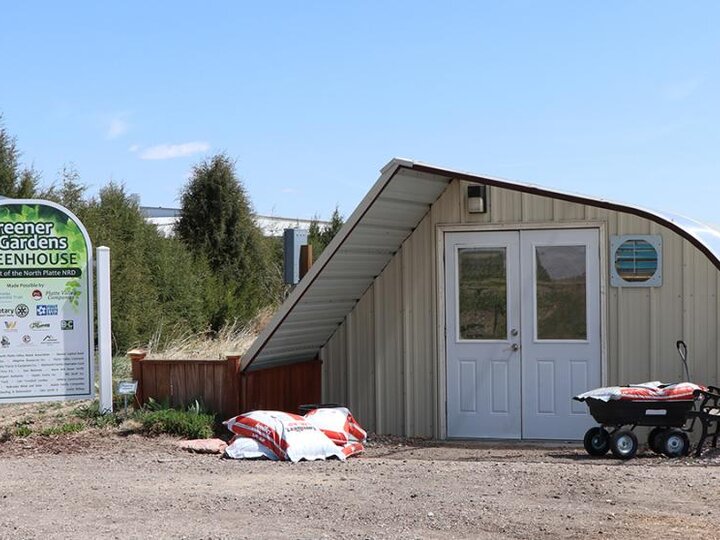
[{"x": 46, "y": 305}]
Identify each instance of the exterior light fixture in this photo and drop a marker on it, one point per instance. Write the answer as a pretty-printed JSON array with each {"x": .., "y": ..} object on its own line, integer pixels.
[{"x": 477, "y": 199}]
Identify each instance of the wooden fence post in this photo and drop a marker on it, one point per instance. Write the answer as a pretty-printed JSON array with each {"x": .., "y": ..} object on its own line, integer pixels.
[
  {"x": 136, "y": 357},
  {"x": 306, "y": 259}
]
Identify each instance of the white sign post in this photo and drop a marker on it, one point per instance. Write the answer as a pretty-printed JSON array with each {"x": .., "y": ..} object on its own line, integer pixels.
[
  {"x": 104, "y": 329},
  {"x": 46, "y": 303}
]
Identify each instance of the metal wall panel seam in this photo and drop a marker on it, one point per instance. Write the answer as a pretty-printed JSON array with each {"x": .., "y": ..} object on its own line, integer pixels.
[
  {"x": 409, "y": 337},
  {"x": 686, "y": 302},
  {"x": 379, "y": 388}
]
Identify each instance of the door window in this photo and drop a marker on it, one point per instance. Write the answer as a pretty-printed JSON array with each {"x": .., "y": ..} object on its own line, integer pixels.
[
  {"x": 560, "y": 288},
  {"x": 482, "y": 293}
]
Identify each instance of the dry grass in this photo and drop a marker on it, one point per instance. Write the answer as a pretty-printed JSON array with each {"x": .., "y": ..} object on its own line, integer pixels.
[
  {"x": 232, "y": 338},
  {"x": 38, "y": 416}
]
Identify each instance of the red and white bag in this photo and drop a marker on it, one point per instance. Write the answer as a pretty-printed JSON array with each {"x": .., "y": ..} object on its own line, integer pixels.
[
  {"x": 353, "y": 449},
  {"x": 289, "y": 436},
  {"x": 247, "y": 448},
  {"x": 338, "y": 424},
  {"x": 648, "y": 391}
]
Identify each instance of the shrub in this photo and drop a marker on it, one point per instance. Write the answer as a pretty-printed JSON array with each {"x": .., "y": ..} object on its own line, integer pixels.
[{"x": 191, "y": 423}]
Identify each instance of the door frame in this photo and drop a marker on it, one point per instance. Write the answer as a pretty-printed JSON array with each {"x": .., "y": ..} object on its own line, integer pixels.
[{"x": 440, "y": 326}]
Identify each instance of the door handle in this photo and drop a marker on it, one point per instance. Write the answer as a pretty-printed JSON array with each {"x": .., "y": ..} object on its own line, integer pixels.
[{"x": 515, "y": 347}]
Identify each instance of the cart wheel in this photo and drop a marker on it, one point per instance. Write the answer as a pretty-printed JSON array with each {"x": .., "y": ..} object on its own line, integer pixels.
[
  {"x": 597, "y": 441},
  {"x": 675, "y": 443},
  {"x": 655, "y": 439},
  {"x": 624, "y": 444}
]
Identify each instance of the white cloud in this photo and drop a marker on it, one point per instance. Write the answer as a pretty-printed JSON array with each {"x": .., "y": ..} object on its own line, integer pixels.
[
  {"x": 117, "y": 126},
  {"x": 134, "y": 148},
  {"x": 169, "y": 151},
  {"x": 680, "y": 90}
]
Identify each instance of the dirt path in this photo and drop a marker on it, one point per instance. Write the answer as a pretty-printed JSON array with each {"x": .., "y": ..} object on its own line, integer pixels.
[{"x": 103, "y": 485}]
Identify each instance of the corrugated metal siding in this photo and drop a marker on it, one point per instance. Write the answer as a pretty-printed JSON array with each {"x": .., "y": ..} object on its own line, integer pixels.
[
  {"x": 418, "y": 330},
  {"x": 643, "y": 323},
  {"x": 360, "y": 371},
  {"x": 334, "y": 381},
  {"x": 389, "y": 374}
]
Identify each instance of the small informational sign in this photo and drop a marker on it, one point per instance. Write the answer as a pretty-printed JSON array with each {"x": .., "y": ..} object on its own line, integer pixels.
[
  {"x": 127, "y": 388},
  {"x": 46, "y": 304}
]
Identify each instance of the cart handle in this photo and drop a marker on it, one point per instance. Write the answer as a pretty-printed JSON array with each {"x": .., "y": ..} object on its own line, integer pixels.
[{"x": 682, "y": 350}]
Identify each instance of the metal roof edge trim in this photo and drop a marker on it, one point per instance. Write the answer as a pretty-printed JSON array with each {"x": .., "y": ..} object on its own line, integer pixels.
[
  {"x": 652, "y": 215},
  {"x": 387, "y": 173}
]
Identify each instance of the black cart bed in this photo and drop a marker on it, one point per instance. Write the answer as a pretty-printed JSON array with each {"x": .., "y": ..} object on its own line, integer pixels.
[
  {"x": 671, "y": 421},
  {"x": 640, "y": 413}
]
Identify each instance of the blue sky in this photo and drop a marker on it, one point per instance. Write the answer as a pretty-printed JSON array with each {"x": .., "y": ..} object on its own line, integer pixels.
[{"x": 618, "y": 99}]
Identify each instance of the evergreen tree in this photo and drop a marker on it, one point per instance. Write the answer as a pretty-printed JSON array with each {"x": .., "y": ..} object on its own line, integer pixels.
[
  {"x": 72, "y": 192},
  {"x": 330, "y": 230},
  {"x": 314, "y": 234},
  {"x": 114, "y": 220},
  {"x": 157, "y": 285},
  {"x": 318, "y": 237},
  {"x": 15, "y": 182},
  {"x": 216, "y": 222}
]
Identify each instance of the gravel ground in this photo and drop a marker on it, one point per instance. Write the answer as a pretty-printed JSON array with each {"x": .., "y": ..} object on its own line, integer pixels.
[{"x": 100, "y": 484}]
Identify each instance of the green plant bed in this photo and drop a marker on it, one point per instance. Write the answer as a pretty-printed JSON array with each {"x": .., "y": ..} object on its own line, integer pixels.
[
  {"x": 93, "y": 417},
  {"x": 23, "y": 431},
  {"x": 191, "y": 423},
  {"x": 63, "y": 429}
]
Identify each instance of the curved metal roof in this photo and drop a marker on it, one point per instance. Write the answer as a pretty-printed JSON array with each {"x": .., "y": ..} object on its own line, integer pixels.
[{"x": 372, "y": 235}]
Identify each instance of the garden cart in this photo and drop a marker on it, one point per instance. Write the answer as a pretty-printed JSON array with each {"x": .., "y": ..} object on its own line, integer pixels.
[{"x": 672, "y": 410}]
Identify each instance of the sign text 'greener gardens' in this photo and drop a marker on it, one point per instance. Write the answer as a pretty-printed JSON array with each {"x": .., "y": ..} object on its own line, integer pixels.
[
  {"x": 46, "y": 343},
  {"x": 32, "y": 250}
]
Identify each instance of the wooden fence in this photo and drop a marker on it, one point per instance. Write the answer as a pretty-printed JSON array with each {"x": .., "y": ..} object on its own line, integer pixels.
[
  {"x": 222, "y": 388},
  {"x": 282, "y": 388}
]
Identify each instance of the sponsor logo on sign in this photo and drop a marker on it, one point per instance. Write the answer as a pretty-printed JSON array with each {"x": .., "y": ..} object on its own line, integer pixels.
[
  {"x": 37, "y": 294},
  {"x": 22, "y": 311},
  {"x": 37, "y": 325},
  {"x": 10, "y": 325},
  {"x": 44, "y": 310},
  {"x": 5, "y": 342},
  {"x": 7, "y": 312},
  {"x": 60, "y": 295},
  {"x": 26, "y": 339},
  {"x": 67, "y": 325},
  {"x": 50, "y": 339}
]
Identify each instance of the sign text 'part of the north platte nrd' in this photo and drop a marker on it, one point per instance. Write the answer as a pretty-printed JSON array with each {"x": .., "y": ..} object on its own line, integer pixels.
[{"x": 46, "y": 338}]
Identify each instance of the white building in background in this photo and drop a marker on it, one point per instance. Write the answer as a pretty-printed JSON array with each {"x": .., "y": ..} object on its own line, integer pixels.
[{"x": 166, "y": 218}]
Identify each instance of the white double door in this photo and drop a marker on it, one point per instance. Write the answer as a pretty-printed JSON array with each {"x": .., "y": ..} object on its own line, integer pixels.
[{"x": 522, "y": 316}]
